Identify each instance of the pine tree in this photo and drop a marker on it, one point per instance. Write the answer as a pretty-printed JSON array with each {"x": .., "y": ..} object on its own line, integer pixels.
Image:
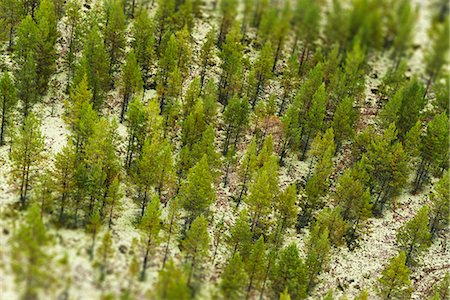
[
  {"x": 435, "y": 56},
  {"x": 8, "y": 101},
  {"x": 343, "y": 121},
  {"x": 206, "y": 55},
  {"x": 414, "y": 237},
  {"x": 144, "y": 42},
  {"x": 239, "y": 239},
  {"x": 434, "y": 149},
  {"x": 260, "y": 74},
  {"x": 197, "y": 193},
  {"x": 26, "y": 80},
  {"x": 255, "y": 265},
  {"x": 317, "y": 253},
  {"x": 228, "y": 8},
  {"x": 306, "y": 19},
  {"x": 94, "y": 65},
  {"x": 150, "y": 227},
  {"x": 440, "y": 206},
  {"x": 289, "y": 81},
  {"x": 63, "y": 175},
  {"x": 114, "y": 33},
  {"x": 45, "y": 54},
  {"x": 441, "y": 289},
  {"x": 394, "y": 282},
  {"x": 353, "y": 200},
  {"x": 137, "y": 126},
  {"x": 196, "y": 245},
  {"x": 43, "y": 192},
  {"x": 30, "y": 259},
  {"x": 337, "y": 227},
  {"x": 171, "y": 284},
  {"x": 93, "y": 227},
  {"x": 131, "y": 83},
  {"x": 73, "y": 25},
  {"x": 27, "y": 156},
  {"x": 247, "y": 167},
  {"x": 232, "y": 57},
  {"x": 11, "y": 11},
  {"x": 236, "y": 116},
  {"x": 112, "y": 201},
  {"x": 287, "y": 211},
  {"x": 289, "y": 273},
  {"x": 233, "y": 279},
  {"x": 281, "y": 32},
  {"x": 163, "y": 20},
  {"x": 105, "y": 253},
  {"x": 171, "y": 225}
]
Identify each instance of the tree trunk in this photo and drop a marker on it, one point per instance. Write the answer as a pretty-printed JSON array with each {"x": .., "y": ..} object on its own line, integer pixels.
[{"x": 144, "y": 264}]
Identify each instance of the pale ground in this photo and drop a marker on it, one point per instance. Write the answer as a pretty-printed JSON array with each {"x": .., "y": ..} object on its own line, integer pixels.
[{"x": 348, "y": 272}]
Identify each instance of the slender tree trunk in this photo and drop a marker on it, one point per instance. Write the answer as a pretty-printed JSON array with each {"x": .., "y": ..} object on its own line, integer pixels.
[
  {"x": 144, "y": 264},
  {"x": 2, "y": 130}
]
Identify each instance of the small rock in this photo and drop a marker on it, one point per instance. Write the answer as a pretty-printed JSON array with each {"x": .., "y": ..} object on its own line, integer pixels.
[
  {"x": 123, "y": 249},
  {"x": 5, "y": 231}
]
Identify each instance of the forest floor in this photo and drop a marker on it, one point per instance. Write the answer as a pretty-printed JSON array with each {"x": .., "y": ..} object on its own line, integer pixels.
[{"x": 348, "y": 272}]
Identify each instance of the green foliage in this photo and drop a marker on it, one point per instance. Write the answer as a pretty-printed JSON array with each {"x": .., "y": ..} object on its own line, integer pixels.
[
  {"x": 131, "y": 83},
  {"x": 233, "y": 278},
  {"x": 317, "y": 253},
  {"x": 394, "y": 282},
  {"x": 30, "y": 259},
  {"x": 114, "y": 33},
  {"x": 144, "y": 41},
  {"x": 440, "y": 206},
  {"x": 27, "y": 156},
  {"x": 414, "y": 237},
  {"x": 171, "y": 284},
  {"x": 255, "y": 265},
  {"x": 441, "y": 289},
  {"x": 105, "y": 253},
  {"x": 343, "y": 121},
  {"x": 289, "y": 273},
  {"x": 260, "y": 74},
  {"x": 239, "y": 239},
  {"x": 197, "y": 192},
  {"x": 8, "y": 101}
]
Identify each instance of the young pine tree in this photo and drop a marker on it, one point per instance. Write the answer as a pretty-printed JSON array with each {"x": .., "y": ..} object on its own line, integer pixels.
[
  {"x": 196, "y": 246},
  {"x": 27, "y": 156},
  {"x": 394, "y": 282},
  {"x": 131, "y": 82},
  {"x": 440, "y": 206},
  {"x": 105, "y": 254},
  {"x": 256, "y": 266},
  {"x": 30, "y": 259},
  {"x": 233, "y": 279},
  {"x": 317, "y": 253},
  {"x": 150, "y": 227},
  {"x": 414, "y": 237},
  {"x": 8, "y": 101},
  {"x": 171, "y": 284}
]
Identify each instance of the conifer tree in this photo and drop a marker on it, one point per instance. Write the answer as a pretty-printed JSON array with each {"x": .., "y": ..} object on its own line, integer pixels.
[
  {"x": 236, "y": 116},
  {"x": 144, "y": 41},
  {"x": 434, "y": 149},
  {"x": 287, "y": 211},
  {"x": 30, "y": 259},
  {"x": 231, "y": 66},
  {"x": 73, "y": 25},
  {"x": 233, "y": 279},
  {"x": 317, "y": 253},
  {"x": 26, "y": 80},
  {"x": 197, "y": 193},
  {"x": 394, "y": 282},
  {"x": 247, "y": 167},
  {"x": 414, "y": 237},
  {"x": 441, "y": 289},
  {"x": 196, "y": 245},
  {"x": 137, "y": 126},
  {"x": 255, "y": 265},
  {"x": 440, "y": 206},
  {"x": 11, "y": 11},
  {"x": 228, "y": 8},
  {"x": 331, "y": 219},
  {"x": 94, "y": 65},
  {"x": 105, "y": 253},
  {"x": 93, "y": 227},
  {"x": 131, "y": 82},
  {"x": 150, "y": 227},
  {"x": 343, "y": 120},
  {"x": 206, "y": 55},
  {"x": 114, "y": 33},
  {"x": 435, "y": 56},
  {"x": 63, "y": 175},
  {"x": 306, "y": 18},
  {"x": 289, "y": 273},
  {"x": 260, "y": 74},
  {"x": 239, "y": 239},
  {"x": 171, "y": 225},
  {"x": 289, "y": 81},
  {"x": 281, "y": 32},
  {"x": 163, "y": 20},
  {"x": 45, "y": 53},
  {"x": 171, "y": 284},
  {"x": 8, "y": 101},
  {"x": 27, "y": 156}
]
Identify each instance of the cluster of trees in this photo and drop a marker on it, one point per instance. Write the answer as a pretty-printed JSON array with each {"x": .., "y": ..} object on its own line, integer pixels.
[{"x": 286, "y": 92}]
